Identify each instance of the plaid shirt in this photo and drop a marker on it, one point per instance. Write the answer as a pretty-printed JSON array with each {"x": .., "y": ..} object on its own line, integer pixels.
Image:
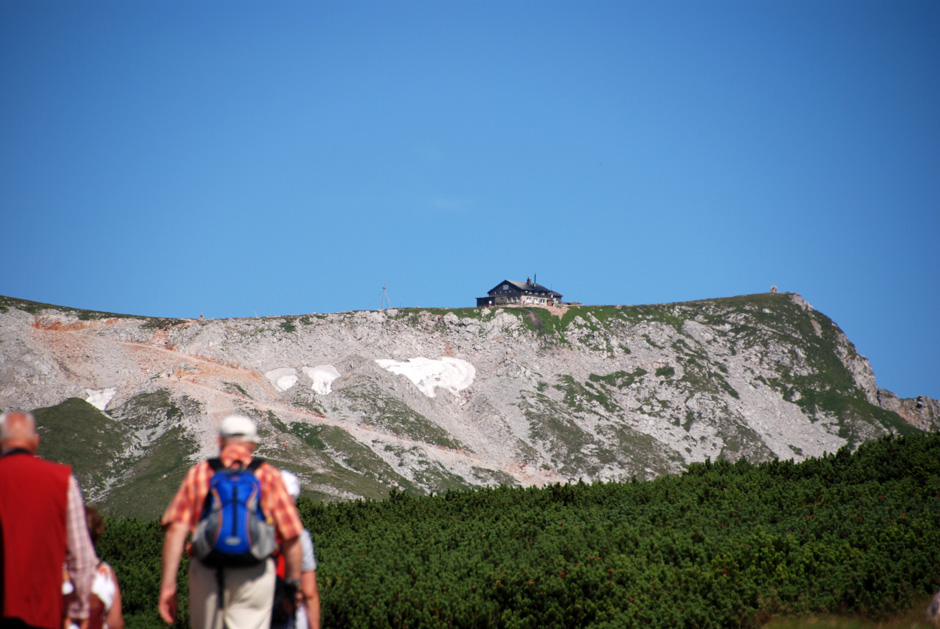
[
  {"x": 80, "y": 557},
  {"x": 186, "y": 506}
]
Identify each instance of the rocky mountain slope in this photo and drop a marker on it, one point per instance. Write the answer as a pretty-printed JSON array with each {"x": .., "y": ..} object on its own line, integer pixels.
[{"x": 427, "y": 400}]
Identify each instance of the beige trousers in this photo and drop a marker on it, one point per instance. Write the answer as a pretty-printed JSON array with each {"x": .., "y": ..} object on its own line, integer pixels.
[{"x": 249, "y": 597}]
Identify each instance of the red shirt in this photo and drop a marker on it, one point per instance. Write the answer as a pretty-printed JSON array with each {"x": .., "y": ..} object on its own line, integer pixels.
[{"x": 33, "y": 507}]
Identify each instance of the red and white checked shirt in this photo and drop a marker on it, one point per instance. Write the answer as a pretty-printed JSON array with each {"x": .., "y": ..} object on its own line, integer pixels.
[
  {"x": 276, "y": 503},
  {"x": 80, "y": 557}
]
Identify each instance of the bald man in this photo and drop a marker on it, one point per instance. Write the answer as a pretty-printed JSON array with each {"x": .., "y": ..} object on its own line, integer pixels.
[{"x": 42, "y": 528}]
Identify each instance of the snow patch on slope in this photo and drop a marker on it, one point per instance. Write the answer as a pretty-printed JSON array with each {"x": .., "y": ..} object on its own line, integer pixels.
[
  {"x": 283, "y": 378},
  {"x": 323, "y": 377},
  {"x": 99, "y": 398},
  {"x": 450, "y": 374}
]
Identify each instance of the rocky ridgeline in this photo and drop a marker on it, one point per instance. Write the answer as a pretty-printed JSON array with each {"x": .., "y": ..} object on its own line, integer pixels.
[{"x": 428, "y": 400}]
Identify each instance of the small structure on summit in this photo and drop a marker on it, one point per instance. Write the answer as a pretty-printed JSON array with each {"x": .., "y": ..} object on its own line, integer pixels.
[{"x": 512, "y": 293}]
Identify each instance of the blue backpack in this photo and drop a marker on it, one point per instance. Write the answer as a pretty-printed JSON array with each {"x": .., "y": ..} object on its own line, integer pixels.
[{"x": 232, "y": 529}]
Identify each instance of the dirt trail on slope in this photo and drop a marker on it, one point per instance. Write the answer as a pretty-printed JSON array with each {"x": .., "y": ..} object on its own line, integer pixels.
[{"x": 204, "y": 378}]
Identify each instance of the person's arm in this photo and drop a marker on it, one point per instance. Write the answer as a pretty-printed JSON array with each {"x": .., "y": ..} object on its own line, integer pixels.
[
  {"x": 308, "y": 585},
  {"x": 308, "y": 581},
  {"x": 292, "y": 558},
  {"x": 173, "y": 543},
  {"x": 281, "y": 508},
  {"x": 80, "y": 558},
  {"x": 115, "y": 619}
]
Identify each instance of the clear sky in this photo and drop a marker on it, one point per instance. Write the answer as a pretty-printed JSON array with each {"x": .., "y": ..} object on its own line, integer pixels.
[{"x": 269, "y": 158}]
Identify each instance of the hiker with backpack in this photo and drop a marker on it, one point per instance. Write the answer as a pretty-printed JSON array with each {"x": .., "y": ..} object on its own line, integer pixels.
[
  {"x": 236, "y": 510},
  {"x": 302, "y": 612}
]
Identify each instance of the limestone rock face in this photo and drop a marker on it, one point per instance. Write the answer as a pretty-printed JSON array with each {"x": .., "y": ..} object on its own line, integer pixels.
[
  {"x": 428, "y": 400},
  {"x": 922, "y": 412}
]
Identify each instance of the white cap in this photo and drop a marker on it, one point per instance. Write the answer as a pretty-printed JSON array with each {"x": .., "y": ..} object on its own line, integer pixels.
[
  {"x": 240, "y": 427},
  {"x": 291, "y": 482}
]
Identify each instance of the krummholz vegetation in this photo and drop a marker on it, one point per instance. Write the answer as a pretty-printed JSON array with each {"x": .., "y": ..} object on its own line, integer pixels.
[{"x": 721, "y": 545}]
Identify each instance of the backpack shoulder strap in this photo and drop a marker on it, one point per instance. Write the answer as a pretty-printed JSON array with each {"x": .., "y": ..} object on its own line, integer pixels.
[
  {"x": 216, "y": 464},
  {"x": 255, "y": 464}
]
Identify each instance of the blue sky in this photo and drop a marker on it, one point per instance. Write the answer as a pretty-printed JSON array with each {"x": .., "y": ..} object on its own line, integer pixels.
[{"x": 269, "y": 158}]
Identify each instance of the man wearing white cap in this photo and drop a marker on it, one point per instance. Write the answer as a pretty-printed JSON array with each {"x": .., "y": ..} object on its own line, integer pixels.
[
  {"x": 308, "y": 612},
  {"x": 239, "y": 597}
]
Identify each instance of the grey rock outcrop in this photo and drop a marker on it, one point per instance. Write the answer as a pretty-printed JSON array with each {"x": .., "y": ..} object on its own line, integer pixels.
[
  {"x": 922, "y": 412},
  {"x": 425, "y": 400}
]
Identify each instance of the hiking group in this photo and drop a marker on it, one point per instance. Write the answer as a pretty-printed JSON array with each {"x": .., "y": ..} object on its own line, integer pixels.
[{"x": 252, "y": 564}]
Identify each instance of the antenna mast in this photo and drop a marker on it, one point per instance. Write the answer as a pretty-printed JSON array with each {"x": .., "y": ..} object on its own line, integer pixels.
[{"x": 386, "y": 303}]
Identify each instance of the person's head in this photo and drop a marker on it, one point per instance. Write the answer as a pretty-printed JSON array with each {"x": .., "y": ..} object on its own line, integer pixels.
[
  {"x": 238, "y": 429},
  {"x": 18, "y": 430},
  {"x": 95, "y": 523},
  {"x": 291, "y": 483}
]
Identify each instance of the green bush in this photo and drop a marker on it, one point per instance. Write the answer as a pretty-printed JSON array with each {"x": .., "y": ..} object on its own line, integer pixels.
[{"x": 722, "y": 545}]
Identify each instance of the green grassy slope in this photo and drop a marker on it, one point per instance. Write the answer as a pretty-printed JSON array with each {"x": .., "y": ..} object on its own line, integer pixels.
[{"x": 77, "y": 433}]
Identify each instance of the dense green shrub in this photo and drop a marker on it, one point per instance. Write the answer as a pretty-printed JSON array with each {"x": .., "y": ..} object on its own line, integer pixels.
[{"x": 724, "y": 544}]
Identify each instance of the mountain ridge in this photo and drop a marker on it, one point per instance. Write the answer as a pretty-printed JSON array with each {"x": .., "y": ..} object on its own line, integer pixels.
[{"x": 426, "y": 400}]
